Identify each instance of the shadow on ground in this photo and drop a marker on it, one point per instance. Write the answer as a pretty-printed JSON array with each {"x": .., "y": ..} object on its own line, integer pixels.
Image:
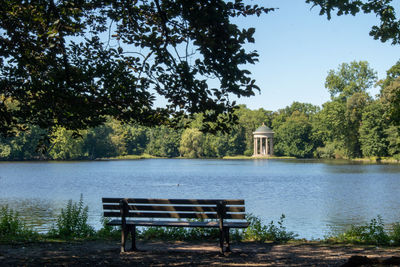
[{"x": 93, "y": 253}]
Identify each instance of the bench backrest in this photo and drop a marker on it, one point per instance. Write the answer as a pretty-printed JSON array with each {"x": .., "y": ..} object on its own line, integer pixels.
[{"x": 174, "y": 208}]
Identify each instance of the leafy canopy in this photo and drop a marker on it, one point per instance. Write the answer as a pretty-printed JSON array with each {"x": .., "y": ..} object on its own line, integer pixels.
[
  {"x": 350, "y": 78},
  {"x": 387, "y": 30},
  {"x": 72, "y": 63}
]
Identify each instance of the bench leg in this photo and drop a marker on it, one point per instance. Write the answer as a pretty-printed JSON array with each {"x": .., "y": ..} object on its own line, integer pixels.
[
  {"x": 124, "y": 235},
  {"x": 228, "y": 248},
  {"x": 221, "y": 240},
  {"x": 133, "y": 235}
]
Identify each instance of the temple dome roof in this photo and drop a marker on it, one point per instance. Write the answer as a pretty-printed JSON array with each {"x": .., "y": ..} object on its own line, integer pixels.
[{"x": 263, "y": 129}]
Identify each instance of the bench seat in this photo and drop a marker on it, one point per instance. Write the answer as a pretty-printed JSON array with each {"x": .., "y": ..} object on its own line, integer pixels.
[{"x": 212, "y": 224}]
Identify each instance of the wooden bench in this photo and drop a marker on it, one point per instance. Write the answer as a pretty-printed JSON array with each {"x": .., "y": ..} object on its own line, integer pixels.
[{"x": 132, "y": 212}]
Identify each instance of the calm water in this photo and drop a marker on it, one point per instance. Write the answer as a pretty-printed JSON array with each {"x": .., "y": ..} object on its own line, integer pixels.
[{"x": 317, "y": 197}]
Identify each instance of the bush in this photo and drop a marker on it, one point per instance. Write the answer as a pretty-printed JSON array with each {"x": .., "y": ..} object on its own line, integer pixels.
[
  {"x": 178, "y": 233},
  {"x": 248, "y": 153},
  {"x": 13, "y": 229},
  {"x": 326, "y": 152},
  {"x": 271, "y": 232},
  {"x": 72, "y": 222},
  {"x": 369, "y": 234},
  {"x": 108, "y": 231},
  {"x": 395, "y": 235}
]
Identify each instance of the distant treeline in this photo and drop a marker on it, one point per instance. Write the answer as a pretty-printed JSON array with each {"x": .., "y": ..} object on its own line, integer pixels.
[{"x": 352, "y": 124}]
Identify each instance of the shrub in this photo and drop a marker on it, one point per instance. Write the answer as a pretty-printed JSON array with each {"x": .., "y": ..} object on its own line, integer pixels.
[
  {"x": 395, "y": 234},
  {"x": 72, "y": 222},
  {"x": 12, "y": 228},
  {"x": 175, "y": 233},
  {"x": 108, "y": 231},
  {"x": 326, "y": 152},
  {"x": 271, "y": 232},
  {"x": 369, "y": 234}
]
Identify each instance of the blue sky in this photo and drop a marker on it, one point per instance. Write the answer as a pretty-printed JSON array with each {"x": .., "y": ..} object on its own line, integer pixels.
[{"x": 297, "y": 48}]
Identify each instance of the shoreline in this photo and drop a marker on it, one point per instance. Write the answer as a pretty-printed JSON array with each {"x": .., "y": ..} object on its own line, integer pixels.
[{"x": 373, "y": 160}]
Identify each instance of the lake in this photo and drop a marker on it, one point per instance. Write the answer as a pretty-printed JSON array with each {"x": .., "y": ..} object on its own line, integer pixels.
[{"x": 317, "y": 197}]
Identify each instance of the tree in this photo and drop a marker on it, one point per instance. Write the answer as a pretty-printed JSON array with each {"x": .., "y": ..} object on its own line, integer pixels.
[
  {"x": 349, "y": 79},
  {"x": 293, "y": 137},
  {"x": 282, "y": 115},
  {"x": 137, "y": 139},
  {"x": 390, "y": 93},
  {"x": 64, "y": 146},
  {"x": 55, "y": 70},
  {"x": 191, "y": 144},
  {"x": 393, "y": 139},
  {"x": 337, "y": 126},
  {"x": 24, "y": 145},
  {"x": 225, "y": 144},
  {"x": 372, "y": 131},
  {"x": 163, "y": 142},
  {"x": 329, "y": 126},
  {"x": 389, "y": 28},
  {"x": 98, "y": 143},
  {"x": 355, "y": 106}
]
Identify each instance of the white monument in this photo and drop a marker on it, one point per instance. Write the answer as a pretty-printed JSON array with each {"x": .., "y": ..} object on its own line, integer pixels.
[{"x": 263, "y": 142}]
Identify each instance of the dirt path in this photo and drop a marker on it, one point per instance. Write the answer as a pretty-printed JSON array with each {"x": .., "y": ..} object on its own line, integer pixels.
[{"x": 92, "y": 253}]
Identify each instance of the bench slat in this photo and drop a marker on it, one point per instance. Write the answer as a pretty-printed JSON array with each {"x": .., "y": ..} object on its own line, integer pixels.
[
  {"x": 174, "y": 208},
  {"x": 174, "y": 215},
  {"x": 180, "y": 224},
  {"x": 175, "y": 201}
]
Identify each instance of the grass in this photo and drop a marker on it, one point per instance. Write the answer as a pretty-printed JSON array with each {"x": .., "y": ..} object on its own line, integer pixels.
[
  {"x": 131, "y": 157},
  {"x": 148, "y": 156},
  {"x": 378, "y": 159},
  {"x": 250, "y": 157}
]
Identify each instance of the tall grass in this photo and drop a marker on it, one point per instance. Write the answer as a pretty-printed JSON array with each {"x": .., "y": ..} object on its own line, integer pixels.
[
  {"x": 72, "y": 222},
  {"x": 12, "y": 228},
  {"x": 372, "y": 233},
  {"x": 271, "y": 232}
]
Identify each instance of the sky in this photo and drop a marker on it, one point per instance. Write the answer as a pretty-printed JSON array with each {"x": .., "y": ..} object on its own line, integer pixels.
[{"x": 297, "y": 48}]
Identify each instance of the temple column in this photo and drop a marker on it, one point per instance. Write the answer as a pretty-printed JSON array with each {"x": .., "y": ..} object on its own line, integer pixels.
[
  {"x": 256, "y": 144},
  {"x": 265, "y": 147},
  {"x": 254, "y": 147},
  {"x": 272, "y": 146}
]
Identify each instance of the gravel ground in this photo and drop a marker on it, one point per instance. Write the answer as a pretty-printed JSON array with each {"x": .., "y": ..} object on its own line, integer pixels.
[{"x": 92, "y": 253}]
